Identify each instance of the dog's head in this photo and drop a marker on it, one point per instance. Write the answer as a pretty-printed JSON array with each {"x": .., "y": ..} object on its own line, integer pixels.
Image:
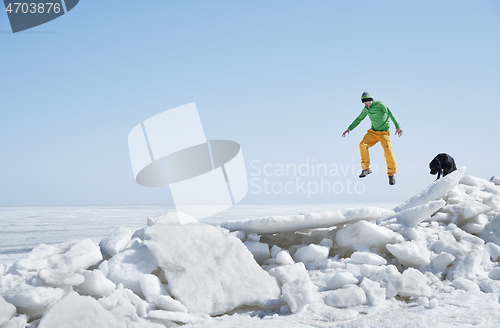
[{"x": 435, "y": 166}]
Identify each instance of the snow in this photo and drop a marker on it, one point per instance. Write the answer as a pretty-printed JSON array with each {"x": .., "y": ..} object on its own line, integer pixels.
[
  {"x": 16, "y": 322},
  {"x": 410, "y": 253},
  {"x": 96, "y": 284},
  {"x": 260, "y": 251},
  {"x": 65, "y": 257},
  {"x": 77, "y": 311},
  {"x": 390, "y": 279},
  {"x": 297, "y": 294},
  {"x": 348, "y": 296},
  {"x": 296, "y": 285},
  {"x": 442, "y": 261},
  {"x": 415, "y": 284},
  {"x": 176, "y": 317},
  {"x": 368, "y": 258},
  {"x": 284, "y": 258},
  {"x": 465, "y": 284},
  {"x": 341, "y": 279},
  {"x": 116, "y": 242},
  {"x": 365, "y": 235},
  {"x": 433, "y": 303},
  {"x": 199, "y": 259},
  {"x": 311, "y": 254},
  {"x": 423, "y": 301},
  {"x": 281, "y": 224},
  {"x": 127, "y": 267},
  {"x": 126, "y": 306},
  {"x": 435, "y": 191},
  {"x": 167, "y": 303},
  {"x": 434, "y": 255},
  {"x": 412, "y": 217},
  {"x": 493, "y": 250},
  {"x": 494, "y": 274},
  {"x": 375, "y": 295},
  {"x": 151, "y": 287},
  {"x": 33, "y": 301},
  {"x": 7, "y": 311}
]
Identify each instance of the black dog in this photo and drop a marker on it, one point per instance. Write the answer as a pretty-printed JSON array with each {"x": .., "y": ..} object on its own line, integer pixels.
[{"x": 442, "y": 164}]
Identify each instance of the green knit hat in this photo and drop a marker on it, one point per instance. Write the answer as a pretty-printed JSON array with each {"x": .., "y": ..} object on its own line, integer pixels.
[{"x": 366, "y": 97}]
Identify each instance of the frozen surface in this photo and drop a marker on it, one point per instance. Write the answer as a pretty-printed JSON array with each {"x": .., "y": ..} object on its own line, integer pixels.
[
  {"x": 433, "y": 261},
  {"x": 23, "y": 228}
]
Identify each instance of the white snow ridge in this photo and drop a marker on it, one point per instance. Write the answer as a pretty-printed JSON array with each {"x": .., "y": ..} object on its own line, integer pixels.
[{"x": 432, "y": 261}]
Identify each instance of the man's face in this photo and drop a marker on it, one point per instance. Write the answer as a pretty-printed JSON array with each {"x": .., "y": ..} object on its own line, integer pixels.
[{"x": 368, "y": 103}]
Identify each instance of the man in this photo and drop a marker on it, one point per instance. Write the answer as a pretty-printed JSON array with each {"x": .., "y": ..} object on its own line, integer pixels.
[{"x": 379, "y": 115}]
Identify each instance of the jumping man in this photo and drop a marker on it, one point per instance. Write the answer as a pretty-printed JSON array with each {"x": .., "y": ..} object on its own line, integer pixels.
[{"x": 379, "y": 115}]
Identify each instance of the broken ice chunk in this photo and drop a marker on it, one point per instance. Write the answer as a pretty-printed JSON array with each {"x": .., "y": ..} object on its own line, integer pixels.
[
  {"x": 7, "y": 311},
  {"x": 410, "y": 253},
  {"x": 167, "y": 303},
  {"x": 284, "y": 258},
  {"x": 494, "y": 274},
  {"x": 198, "y": 259},
  {"x": 412, "y": 217},
  {"x": 363, "y": 235},
  {"x": 465, "y": 284},
  {"x": 341, "y": 279},
  {"x": 493, "y": 250},
  {"x": 423, "y": 301},
  {"x": 311, "y": 254},
  {"x": 437, "y": 190},
  {"x": 151, "y": 287},
  {"x": 66, "y": 257},
  {"x": 57, "y": 278},
  {"x": 442, "y": 261},
  {"x": 368, "y": 258},
  {"x": 415, "y": 284},
  {"x": 32, "y": 301},
  {"x": 348, "y": 296},
  {"x": 260, "y": 251},
  {"x": 73, "y": 308},
  {"x": 375, "y": 295},
  {"x": 96, "y": 283},
  {"x": 390, "y": 279},
  {"x": 116, "y": 241},
  {"x": 128, "y": 266},
  {"x": 297, "y": 294}
]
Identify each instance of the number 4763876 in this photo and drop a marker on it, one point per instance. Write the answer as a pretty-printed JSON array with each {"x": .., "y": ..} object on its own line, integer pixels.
[{"x": 33, "y": 8}]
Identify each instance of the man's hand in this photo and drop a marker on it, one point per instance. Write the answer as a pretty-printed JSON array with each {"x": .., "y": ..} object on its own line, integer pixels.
[
  {"x": 399, "y": 132},
  {"x": 346, "y": 131}
]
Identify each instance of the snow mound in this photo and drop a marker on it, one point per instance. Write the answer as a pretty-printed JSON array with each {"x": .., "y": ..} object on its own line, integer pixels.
[{"x": 442, "y": 244}]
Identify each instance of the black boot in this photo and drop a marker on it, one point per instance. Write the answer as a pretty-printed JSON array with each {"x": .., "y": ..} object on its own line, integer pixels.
[{"x": 364, "y": 173}]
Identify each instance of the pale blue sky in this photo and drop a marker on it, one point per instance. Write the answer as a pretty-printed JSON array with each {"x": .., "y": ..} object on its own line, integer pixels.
[{"x": 282, "y": 78}]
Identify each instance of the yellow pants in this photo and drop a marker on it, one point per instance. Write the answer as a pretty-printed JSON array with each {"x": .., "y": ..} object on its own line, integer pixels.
[{"x": 370, "y": 139}]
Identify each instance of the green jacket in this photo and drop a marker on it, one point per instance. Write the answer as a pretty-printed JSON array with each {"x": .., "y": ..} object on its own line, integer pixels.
[{"x": 379, "y": 114}]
